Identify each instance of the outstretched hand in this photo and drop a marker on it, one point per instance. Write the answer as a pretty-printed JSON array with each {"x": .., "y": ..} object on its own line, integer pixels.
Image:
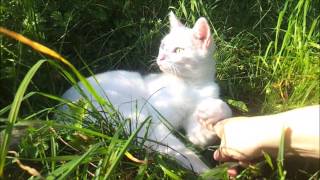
[{"x": 244, "y": 139}]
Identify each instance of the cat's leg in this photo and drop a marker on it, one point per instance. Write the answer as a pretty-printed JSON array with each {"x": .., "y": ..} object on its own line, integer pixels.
[
  {"x": 210, "y": 111},
  {"x": 199, "y": 125},
  {"x": 172, "y": 146},
  {"x": 198, "y": 134}
]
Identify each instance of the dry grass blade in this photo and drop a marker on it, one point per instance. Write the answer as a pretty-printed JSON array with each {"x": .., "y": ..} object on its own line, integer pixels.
[
  {"x": 45, "y": 50},
  {"x": 134, "y": 159},
  {"x": 37, "y": 46},
  {"x": 30, "y": 170}
]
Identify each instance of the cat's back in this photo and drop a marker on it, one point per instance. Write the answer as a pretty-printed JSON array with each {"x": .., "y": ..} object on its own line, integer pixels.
[
  {"x": 157, "y": 82},
  {"x": 114, "y": 84}
]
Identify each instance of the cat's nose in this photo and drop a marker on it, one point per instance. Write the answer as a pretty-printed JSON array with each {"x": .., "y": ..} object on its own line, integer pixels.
[{"x": 161, "y": 57}]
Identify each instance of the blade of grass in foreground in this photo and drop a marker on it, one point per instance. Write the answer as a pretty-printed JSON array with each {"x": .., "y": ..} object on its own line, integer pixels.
[
  {"x": 8, "y": 107},
  {"x": 13, "y": 114},
  {"x": 280, "y": 158},
  {"x": 124, "y": 149},
  {"x": 67, "y": 168}
]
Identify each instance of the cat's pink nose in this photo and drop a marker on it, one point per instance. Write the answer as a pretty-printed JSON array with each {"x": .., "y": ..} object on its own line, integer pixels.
[{"x": 161, "y": 57}]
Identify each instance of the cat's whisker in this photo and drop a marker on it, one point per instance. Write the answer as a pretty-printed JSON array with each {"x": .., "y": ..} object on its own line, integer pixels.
[
  {"x": 154, "y": 63},
  {"x": 153, "y": 60},
  {"x": 175, "y": 70},
  {"x": 152, "y": 66},
  {"x": 172, "y": 69}
]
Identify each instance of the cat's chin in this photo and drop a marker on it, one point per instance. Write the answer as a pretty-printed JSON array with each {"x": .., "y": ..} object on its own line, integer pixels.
[
  {"x": 162, "y": 69},
  {"x": 166, "y": 70}
]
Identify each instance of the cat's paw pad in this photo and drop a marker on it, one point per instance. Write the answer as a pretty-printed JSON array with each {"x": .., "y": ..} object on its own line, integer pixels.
[{"x": 210, "y": 111}]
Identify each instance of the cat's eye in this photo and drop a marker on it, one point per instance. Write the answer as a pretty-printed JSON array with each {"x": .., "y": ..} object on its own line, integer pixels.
[{"x": 178, "y": 50}]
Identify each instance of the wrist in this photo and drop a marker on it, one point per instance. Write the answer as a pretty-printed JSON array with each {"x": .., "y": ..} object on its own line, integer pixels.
[
  {"x": 272, "y": 129},
  {"x": 301, "y": 130}
]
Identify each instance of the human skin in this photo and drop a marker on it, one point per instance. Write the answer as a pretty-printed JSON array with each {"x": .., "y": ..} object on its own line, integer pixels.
[{"x": 244, "y": 139}]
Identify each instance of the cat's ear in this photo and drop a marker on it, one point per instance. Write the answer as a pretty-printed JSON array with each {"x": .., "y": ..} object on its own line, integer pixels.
[
  {"x": 174, "y": 21},
  {"x": 201, "y": 31}
]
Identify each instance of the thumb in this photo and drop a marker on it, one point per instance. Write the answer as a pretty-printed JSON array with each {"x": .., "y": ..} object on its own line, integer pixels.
[
  {"x": 218, "y": 128},
  {"x": 220, "y": 155}
]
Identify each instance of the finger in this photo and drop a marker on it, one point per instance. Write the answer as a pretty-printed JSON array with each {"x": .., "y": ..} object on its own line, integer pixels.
[
  {"x": 218, "y": 128},
  {"x": 218, "y": 155},
  {"x": 210, "y": 126},
  {"x": 232, "y": 172}
]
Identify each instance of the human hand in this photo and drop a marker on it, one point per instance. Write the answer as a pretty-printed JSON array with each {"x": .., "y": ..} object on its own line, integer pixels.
[{"x": 244, "y": 139}]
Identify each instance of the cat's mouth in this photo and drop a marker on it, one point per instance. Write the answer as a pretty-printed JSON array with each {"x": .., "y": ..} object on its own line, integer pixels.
[{"x": 162, "y": 67}]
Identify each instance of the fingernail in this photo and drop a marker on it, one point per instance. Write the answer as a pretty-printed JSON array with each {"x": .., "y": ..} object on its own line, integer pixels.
[{"x": 216, "y": 155}]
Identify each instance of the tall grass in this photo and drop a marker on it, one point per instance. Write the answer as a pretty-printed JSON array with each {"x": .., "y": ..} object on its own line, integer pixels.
[
  {"x": 267, "y": 61},
  {"x": 292, "y": 60}
]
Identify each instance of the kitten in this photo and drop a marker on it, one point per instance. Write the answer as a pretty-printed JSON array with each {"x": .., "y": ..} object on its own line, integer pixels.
[{"x": 184, "y": 93}]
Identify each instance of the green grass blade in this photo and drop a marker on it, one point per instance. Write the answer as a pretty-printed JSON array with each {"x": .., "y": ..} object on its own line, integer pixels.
[
  {"x": 169, "y": 173},
  {"x": 13, "y": 114},
  {"x": 82, "y": 129},
  {"x": 124, "y": 149},
  {"x": 268, "y": 159},
  {"x": 112, "y": 150},
  {"x": 278, "y": 27},
  {"x": 76, "y": 162},
  {"x": 280, "y": 157},
  {"x": 7, "y": 108},
  {"x": 53, "y": 148},
  {"x": 141, "y": 171},
  {"x": 69, "y": 167}
]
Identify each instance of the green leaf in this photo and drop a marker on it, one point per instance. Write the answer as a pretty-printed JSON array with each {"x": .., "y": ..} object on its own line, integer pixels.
[{"x": 238, "y": 104}]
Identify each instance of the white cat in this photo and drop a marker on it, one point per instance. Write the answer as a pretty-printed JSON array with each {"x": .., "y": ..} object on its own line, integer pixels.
[{"x": 184, "y": 93}]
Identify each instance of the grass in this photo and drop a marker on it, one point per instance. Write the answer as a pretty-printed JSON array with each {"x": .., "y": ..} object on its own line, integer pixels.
[{"x": 267, "y": 62}]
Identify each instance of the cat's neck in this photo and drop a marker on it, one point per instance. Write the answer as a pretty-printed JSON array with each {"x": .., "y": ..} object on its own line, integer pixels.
[
  {"x": 199, "y": 81},
  {"x": 200, "y": 77},
  {"x": 196, "y": 81}
]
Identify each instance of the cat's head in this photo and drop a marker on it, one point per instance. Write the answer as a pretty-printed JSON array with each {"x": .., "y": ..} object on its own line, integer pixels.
[{"x": 187, "y": 52}]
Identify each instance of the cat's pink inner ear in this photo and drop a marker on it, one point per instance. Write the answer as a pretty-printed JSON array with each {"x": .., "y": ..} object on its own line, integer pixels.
[
  {"x": 202, "y": 31},
  {"x": 174, "y": 21}
]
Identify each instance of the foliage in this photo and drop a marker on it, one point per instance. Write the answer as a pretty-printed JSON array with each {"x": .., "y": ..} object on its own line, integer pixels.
[{"x": 267, "y": 61}]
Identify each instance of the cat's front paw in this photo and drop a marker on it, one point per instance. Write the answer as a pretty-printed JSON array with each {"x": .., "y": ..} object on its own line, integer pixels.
[
  {"x": 210, "y": 111},
  {"x": 202, "y": 137}
]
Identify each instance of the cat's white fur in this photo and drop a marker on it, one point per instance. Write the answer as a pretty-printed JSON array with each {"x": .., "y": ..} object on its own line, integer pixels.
[{"x": 184, "y": 93}]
